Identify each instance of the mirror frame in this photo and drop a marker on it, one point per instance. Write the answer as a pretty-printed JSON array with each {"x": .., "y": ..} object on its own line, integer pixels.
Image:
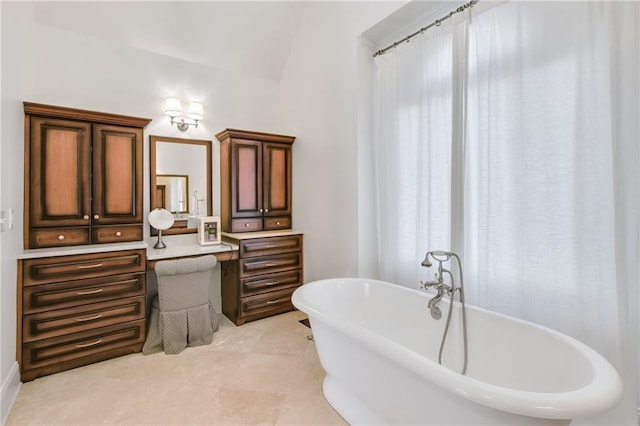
[{"x": 153, "y": 140}]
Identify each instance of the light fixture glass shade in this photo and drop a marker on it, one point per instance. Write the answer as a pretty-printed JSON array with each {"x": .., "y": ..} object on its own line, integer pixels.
[
  {"x": 195, "y": 111},
  {"x": 173, "y": 107}
]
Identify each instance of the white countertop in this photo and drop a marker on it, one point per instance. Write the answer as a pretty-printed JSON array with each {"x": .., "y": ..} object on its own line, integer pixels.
[
  {"x": 184, "y": 245},
  {"x": 261, "y": 234},
  {"x": 71, "y": 250},
  {"x": 177, "y": 246}
]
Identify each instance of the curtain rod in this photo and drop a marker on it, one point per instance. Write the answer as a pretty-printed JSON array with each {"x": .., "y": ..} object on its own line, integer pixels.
[{"x": 435, "y": 23}]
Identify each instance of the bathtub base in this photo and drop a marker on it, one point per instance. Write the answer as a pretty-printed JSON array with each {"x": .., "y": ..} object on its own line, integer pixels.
[
  {"x": 355, "y": 412},
  {"x": 348, "y": 406}
]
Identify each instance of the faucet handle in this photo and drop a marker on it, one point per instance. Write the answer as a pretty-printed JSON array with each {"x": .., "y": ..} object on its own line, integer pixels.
[{"x": 425, "y": 285}]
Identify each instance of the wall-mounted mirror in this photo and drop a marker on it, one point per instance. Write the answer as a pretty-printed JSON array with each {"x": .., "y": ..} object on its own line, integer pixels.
[{"x": 180, "y": 182}]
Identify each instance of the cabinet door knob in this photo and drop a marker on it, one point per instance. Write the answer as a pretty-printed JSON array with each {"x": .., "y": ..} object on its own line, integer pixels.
[
  {"x": 86, "y": 217},
  {"x": 118, "y": 234},
  {"x": 96, "y": 216},
  {"x": 260, "y": 210},
  {"x": 266, "y": 210},
  {"x": 61, "y": 237}
]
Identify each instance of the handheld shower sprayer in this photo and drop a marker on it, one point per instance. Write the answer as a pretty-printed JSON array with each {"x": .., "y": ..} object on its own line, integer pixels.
[
  {"x": 446, "y": 254},
  {"x": 426, "y": 262}
]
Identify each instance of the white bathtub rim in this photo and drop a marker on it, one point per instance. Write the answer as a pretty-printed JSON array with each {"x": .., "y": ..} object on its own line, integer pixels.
[{"x": 601, "y": 394}]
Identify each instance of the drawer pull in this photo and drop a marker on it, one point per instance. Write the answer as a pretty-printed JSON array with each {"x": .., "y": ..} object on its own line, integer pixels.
[
  {"x": 95, "y": 317},
  {"x": 86, "y": 345},
  {"x": 84, "y": 293},
  {"x": 272, "y": 283},
  {"x": 271, "y": 265},
  {"x": 246, "y": 225},
  {"x": 118, "y": 234},
  {"x": 61, "y": 237},
  {"x": 278, "y": 223},
  {"x": 97, "y": 265},
  {"x": 271, "y": 302}
]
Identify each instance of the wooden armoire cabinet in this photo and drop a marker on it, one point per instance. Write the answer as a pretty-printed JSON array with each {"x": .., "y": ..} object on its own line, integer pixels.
[
  {"x": 255, "y": 181},
  {"x": 83, "y": 177}
]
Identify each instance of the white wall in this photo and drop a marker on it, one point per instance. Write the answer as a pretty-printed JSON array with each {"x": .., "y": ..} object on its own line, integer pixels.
[
  {"x": 47, "y": 65},
  {"x": 17, "y": 72},
  {"x": 318, "y": 102}
]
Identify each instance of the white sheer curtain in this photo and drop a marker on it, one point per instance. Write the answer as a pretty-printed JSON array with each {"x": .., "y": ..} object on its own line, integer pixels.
[
  {"x": 548, "y": 155},
  {"x": 413, "y": 152}
]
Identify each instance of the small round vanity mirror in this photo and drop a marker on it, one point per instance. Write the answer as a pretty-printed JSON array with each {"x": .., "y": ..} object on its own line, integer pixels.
[{"x": 160, "y": 219}]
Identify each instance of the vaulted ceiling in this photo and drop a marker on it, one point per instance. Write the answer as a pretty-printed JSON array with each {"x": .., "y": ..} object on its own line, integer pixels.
[
  {"x": 252, "y": 38},
  {"x": 248, "y": 37}
]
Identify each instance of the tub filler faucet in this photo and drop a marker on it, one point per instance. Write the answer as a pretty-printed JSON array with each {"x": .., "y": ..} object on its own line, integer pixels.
[{"x": 443, "y": 289}]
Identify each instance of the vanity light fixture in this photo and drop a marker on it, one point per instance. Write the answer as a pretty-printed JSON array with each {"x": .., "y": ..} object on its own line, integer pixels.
[{"x": 173, "y": 108}]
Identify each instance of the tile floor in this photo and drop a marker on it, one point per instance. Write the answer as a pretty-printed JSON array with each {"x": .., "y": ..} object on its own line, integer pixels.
[{"x": 264, "y": 372}]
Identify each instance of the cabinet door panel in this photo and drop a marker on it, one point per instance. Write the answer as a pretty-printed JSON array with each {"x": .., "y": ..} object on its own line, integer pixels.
[
  {"x": 271, "y": 245},
  {"x": 247, "y": 179},
  {"x": 60, "y": 152},
  {"x": 277, "y": 179},
  {"x": 267, "y": 304},
  {"x": 117, "y": 175},
  {"x": 59, "y": 237},
  {"x": 69, "y": 294},
  {"x": 75, "y": 267},
  {"x": 270, "y": 282},
  {"x": 81, "y": 345},
  {"x": 270, "y": 264},
  {"x": 72, "y": 320},
  {"x": 116, "y": 233}
]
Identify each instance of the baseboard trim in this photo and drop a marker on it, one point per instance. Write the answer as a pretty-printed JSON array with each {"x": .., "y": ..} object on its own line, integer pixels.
[{"x": 9, "y": 393}]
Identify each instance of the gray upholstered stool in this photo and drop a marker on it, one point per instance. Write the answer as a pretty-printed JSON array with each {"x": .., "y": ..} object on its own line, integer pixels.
[{"x": 182, "y": 314}]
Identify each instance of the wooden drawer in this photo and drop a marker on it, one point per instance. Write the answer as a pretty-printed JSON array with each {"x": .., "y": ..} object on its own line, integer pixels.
[
  {"x": 267, "y": 303},
  {"x": 59, "y": 237},
  {"x": 270, "y": 245},
  {"x": 62, "y": 268},
  {"x": 271, "y": 223},
  {"x": 271, "y": 282},
  {"x": 246, "y": 225},
  {"x": 270, "y": 264},
  {"x": 72, "y": 320},
  {"x": 74, "y": 346},
  {"x": 75, "y": 293},
  {"x": 116, "y": 234}
]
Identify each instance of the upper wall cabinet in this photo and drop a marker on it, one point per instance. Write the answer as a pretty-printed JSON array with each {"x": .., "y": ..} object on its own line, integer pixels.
[
  {"x": 255, "y": 180},
  {"x": 83, "y": 177}
]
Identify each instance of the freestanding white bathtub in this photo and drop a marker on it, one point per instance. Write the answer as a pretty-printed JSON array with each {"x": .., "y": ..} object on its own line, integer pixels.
[{"x": 379, "y": 347}]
